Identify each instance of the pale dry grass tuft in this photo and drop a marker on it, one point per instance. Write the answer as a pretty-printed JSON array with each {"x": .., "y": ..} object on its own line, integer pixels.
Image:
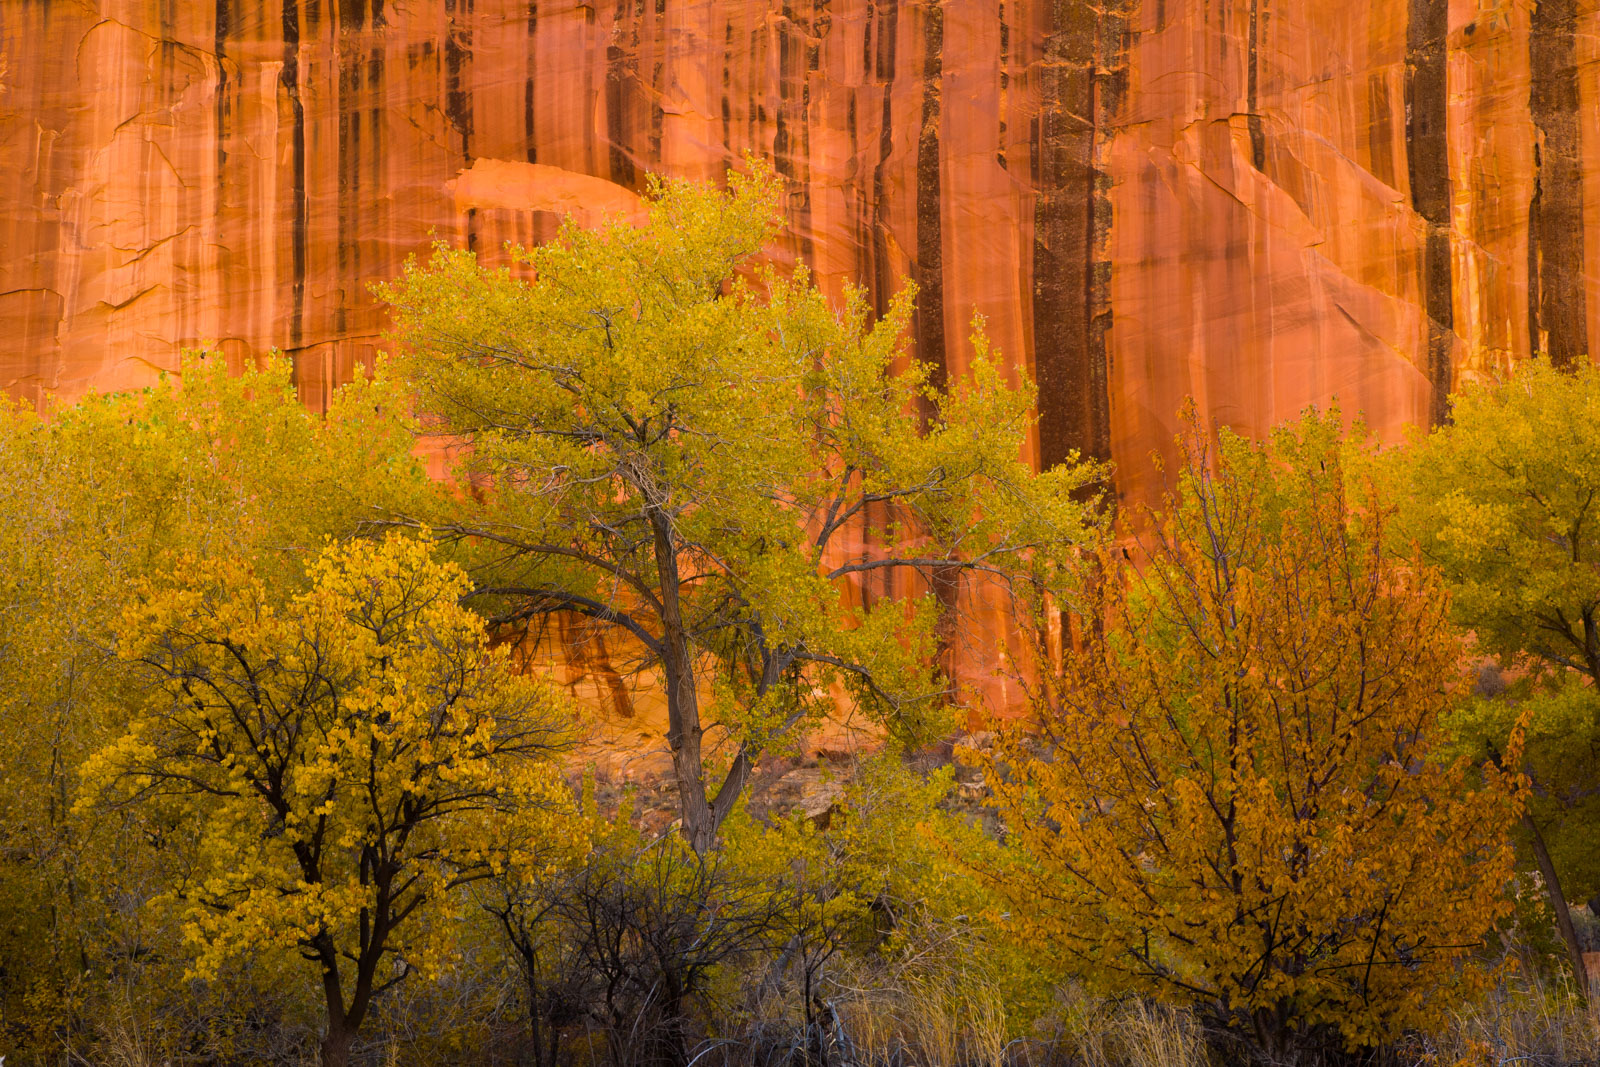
[{"x": 1529, "y": 1020}]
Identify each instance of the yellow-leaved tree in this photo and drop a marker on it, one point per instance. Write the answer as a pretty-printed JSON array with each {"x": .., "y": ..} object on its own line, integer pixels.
[
  {"x": 1233, "y": 795},
  {"x": 1505, "y": 501},
  {"x": 335, "y": 767},
  {"x": 720, "y": 468},
  {"x": 94, "y": 497}
]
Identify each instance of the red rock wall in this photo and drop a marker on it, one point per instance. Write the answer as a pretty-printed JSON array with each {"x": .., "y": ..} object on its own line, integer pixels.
[{"x": 1262, "y": 203}]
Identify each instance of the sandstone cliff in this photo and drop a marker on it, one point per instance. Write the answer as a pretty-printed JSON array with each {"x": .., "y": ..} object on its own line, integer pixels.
[{"x": 1262, "y": 203}]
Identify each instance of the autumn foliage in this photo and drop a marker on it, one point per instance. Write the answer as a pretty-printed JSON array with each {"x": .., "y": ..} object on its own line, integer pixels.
[
  {"x": 286, "y": 774},
  {"x": 1505, "y": 501},
  {"x": 345, "y": 762},
  {"x": 707, "y": 460},
  {"x": 1234, "y": 795}
]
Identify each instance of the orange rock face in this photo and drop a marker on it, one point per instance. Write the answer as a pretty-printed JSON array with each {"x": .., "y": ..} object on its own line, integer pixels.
[{"x": 1260, "y": 203}]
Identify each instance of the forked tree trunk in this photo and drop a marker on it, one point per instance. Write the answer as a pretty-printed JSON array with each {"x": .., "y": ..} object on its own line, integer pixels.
[{"x": 344, "y": 1020}]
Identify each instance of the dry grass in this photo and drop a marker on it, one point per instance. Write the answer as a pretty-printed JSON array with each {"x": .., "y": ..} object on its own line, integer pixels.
[
  {"x": 927, "y": 1019},
  {"x": 943, "y": 1018},
  {"x": 939, "y": 1009},
  {"x": 1529, "y": 1020},
  {"x": 950, "y": 1017},
  {"x": 1099, "y": 1033}
]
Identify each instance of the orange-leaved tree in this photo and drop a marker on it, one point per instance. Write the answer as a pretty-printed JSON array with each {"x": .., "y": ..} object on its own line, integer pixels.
[
  {"x": 1232, "y": 795},
  {"x": 334, "y": 768}
]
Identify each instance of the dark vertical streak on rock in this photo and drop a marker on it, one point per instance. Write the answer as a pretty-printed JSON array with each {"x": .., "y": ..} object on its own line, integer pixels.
[
  {"x": 883, "y": 282},
  {"x": 821, "y": 25},
  {"x": 790, "y": 144},
  {"x": 930, "y": 203},
  {"x": 220, "y": 103},
  {"x": 727, "y": 86},
  {"x": 350, "y": 190},
  {"x": 755, "y": 114},
  {"x": 810, "y": 57},
  {"x": 1428, "y": 165},
  {"x": 1557, "y": 308},
  {"x": 289, "y": 78},
  {"x": 219, "y": 118},
  {"x": 1005, "y": 88},
  {"x": 376, "y": 217},
  {"x": 860, "y": 237},
  {"x": 1536, "y": 340},
  {"x": 782, "y": 150},
  {"x": 1063, "y": 146},
  {"x": 590, "y": 129},
  {"x": 345, "y": 163},
  {"x": 1110, "y": 86},
  {"x": 530, "y": 147},
  {"x": 1258, "y": 142},
  {"x": 867, "y": 69},
  {"x": 1081, "y": 86},
  {"x": 622, "y": 171},
  {"x": 658, "y": 70},
  {"x": 457, "y": 52},
  {"x": 530, "y": 142}
]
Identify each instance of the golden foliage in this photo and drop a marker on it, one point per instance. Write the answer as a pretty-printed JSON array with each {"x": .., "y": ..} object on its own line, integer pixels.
[
  {"x": 1235, "y": 796},
  {"x": 334, "y": 766},
  {"x": 720, "y": 467},
  {"x": 92, "y": 498}
]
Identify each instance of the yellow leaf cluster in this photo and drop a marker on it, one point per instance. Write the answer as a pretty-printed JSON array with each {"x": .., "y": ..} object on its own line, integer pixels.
[{"x": 342, "y": 759}]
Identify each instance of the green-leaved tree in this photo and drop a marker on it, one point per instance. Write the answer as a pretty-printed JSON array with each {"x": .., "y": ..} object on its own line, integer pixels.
[
  {"x": 1506, "y": 501},
  {"x": 675, "y": 444}
]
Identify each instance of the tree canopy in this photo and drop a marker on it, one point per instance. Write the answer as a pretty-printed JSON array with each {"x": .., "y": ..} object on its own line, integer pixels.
[
  {"x": 670, "y": 441},
  {"x": 1505, "y": 501},
  {"x": 1235, "y": 796},
  {"x": 336, "y": 765},
  {"x": 94, "y": 497}
]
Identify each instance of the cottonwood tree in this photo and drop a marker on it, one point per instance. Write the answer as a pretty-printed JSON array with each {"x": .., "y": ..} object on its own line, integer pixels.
[
  {"x": 334, "y": 767},
  {"x": 94, "y": 496},
  {"x": 1505, "y": 501},
  {"x": 717, "y": 463},
  {"x": 1235, "y": 796}
]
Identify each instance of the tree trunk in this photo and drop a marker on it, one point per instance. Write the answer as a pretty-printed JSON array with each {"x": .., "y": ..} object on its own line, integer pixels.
[
  {"x": 336, "y": 1045},
  {"x": 683, "y": 699},
  {"x": 1558, "y": 904},
  {"x": 340, "y": 1035},
  {"x": 344, "y": 1023},
  {"x": 536, "y": 1038},
  {"x": 683, "y": 738}
]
